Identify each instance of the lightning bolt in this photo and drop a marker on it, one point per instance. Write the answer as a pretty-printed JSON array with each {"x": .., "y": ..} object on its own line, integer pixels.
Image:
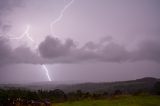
[
  {"x": 8, "y": 36},
  {"x": 60, "y": 16},
  {"x": 30, "y": 38},
  {"x": 27, "y": 34},
  {"x": 47, "y": 73}
]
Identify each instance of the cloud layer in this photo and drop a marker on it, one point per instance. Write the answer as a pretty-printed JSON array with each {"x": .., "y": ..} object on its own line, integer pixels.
[
  {"x": 6, "y": 6},
  {"x": 53, "y": 47},
  {"x": 52, "y": 50}
]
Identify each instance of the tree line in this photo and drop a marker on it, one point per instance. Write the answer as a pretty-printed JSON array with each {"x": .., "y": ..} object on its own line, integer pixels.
[{"x": 14, "y": 95}]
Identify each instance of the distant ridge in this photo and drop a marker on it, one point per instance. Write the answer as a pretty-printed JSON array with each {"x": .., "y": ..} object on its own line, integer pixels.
[
  {"x": 147, "y": 79},
  {"x": 144, "y": 84}
]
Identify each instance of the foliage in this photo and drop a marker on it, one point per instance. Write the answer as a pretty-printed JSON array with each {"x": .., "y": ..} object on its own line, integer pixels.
[
  {"x": 120, "y": 101},
  {"x": 157, "y": 88},
  {"x": 59, "y": 96}
]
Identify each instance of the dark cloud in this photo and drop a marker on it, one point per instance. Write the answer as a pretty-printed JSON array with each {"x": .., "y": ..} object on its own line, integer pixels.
[
  {"x": 105, "y": 52},
  {"x": 53, "y": 50},
  {"x": 147, "y": 50},
  {"x": 90, "y": 46},
  {"x": 18, "y": 55},
  {"x": 53, "y": 47},
  {"x": 5, "y": 51},
  {"x": 6, "y": 6},
  {"x": 114, "y": 53},
  {"x": 24, "y": 54}
]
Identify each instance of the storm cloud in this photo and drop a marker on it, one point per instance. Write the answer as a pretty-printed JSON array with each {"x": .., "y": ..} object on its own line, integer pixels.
[
  {"x": 147, "y": 50},
  {"x": 21, "y": 54},
  {"x": 52, "y": 48},
  {"x": 5, "y": 52},
  {"x": 6, "y": 7}
]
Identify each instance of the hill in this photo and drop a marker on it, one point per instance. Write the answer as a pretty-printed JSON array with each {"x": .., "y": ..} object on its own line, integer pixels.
[{"x": 143, "y": 84}]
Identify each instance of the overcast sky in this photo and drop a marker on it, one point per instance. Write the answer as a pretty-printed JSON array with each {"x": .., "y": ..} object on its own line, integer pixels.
[{"x": 79, "y": 40}]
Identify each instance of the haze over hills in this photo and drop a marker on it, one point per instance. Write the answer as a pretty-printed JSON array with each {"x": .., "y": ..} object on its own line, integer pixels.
[{"x": 144, "y": 84}]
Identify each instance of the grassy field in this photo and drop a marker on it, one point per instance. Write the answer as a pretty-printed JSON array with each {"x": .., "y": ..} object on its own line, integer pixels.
[{"x": 118, "y": 101}]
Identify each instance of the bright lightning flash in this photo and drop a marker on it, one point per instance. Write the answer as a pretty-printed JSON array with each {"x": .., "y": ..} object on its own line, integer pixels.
[
  {"x": 27, "y": 34},
  {"x": 60, "y": 16},
  {"x": 30, "y": 38},
  {"x": 22, "y": 35},
  {"x": 45, "y": 68}
]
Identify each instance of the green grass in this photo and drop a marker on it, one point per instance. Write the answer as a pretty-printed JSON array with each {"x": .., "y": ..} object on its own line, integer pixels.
[{"x": 118, "y": 101}]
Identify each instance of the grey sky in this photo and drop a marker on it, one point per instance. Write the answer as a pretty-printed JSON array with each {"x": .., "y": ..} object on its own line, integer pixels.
[{"x": 96, "y": 40}]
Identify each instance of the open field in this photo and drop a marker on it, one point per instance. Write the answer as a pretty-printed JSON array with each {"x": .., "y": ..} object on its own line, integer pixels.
[{"x": 117, "y": 101}]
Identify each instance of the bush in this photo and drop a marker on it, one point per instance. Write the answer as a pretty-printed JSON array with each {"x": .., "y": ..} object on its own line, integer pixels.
[{"x": 157, "y": 88}]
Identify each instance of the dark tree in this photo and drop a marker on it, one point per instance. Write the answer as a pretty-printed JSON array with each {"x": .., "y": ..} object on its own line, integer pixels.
[
  {"x": 117, "y": 92},
  {"x": 157, "y": 88},
  {"x": 57, "y": 95}
]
